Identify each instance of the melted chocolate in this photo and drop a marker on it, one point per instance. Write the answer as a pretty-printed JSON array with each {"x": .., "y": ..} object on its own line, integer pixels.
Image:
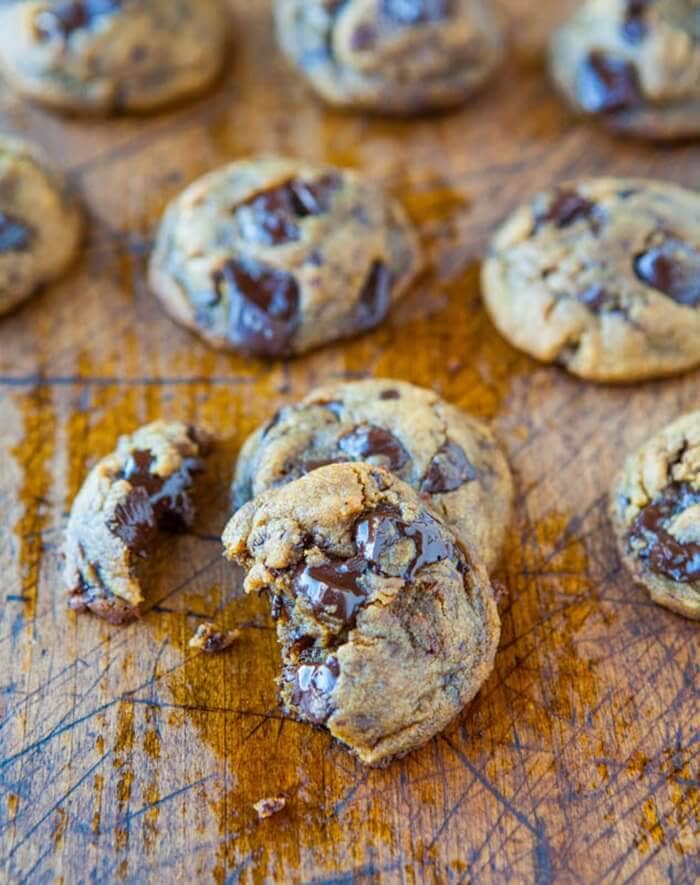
[
  {"x": 415, "y": 12},
  {"x": 65, "y": 18},
  {"x": 264, "y": 302},
  {"x": 674, "y": 269},
  {"x": 15, "y": 236},
  {"x": 135, "y": 522},
  {"x": 665, "y": 554},
  {"x": 312, "y": 687},
  {"x": 595, "y": 298},
  {"x": 606, "y": 84},
  {"x": 567, "y": 207},
  {"x": 634, "y": 26},
  {"x": 369, "y": 441},
  {"x": 375, "y": 298},
  {"x": 449, "y": 470},
  {"x": 270, "y": 217},
  {"x": 332, "y": 588}
]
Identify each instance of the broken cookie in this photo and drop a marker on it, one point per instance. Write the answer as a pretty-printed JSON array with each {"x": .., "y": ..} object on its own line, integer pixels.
[
  {"x": 655, "y": 509},
  {"x": 211, "y": 639},
  {"x": 387, "y": 625},
  {"x": 127, "y": 500}
]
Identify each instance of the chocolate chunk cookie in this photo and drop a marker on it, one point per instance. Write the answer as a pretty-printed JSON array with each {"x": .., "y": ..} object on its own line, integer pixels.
[
  {"x": 603, "y": 277},
  {"x": 273, "y": 257},
  {"x": 40, "y": 223},
  {"x": 450, "y": 458},
  {"x": 655, "y": 508},
  {"x": 112, "y": 55},
  {"x": 140, "y": 490},
  {"x": 395, "y": 56},
  {"x": 387, "y": 626},
  {"x": 635, "y": 64}
]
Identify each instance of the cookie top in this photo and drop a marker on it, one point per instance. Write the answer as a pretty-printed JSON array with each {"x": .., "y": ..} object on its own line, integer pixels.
[
  {"x": 387, "y": 626},
  {"x": 655, "y": 508},
  {"x": 391, "y": 55},
  {"x": 447, "y": 456},
  {"x": 635, "y": 64},
  {"x": 40, "y": 222},
  {"x": 128, "y": 498},
  {"x": 601, "y": 276},
  {"x": 112, "y": 55},
  {"x": 273, "y": 257}
]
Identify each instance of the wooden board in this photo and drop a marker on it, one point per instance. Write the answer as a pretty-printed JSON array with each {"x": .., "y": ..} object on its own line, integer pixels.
[{"x": 125, "y": 756}]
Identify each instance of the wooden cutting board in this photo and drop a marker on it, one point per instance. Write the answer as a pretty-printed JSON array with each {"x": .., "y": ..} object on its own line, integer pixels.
[{"x": 126, "y": 756}]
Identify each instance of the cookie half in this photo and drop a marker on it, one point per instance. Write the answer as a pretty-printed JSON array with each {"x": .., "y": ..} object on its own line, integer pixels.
[
  {"x": 390, "y": 55},
  {"x": 655, "y": 509},
  {"x": 450, "y": 458},
  {"x": 112, "y": 55},
  {"x": 601, "y": 276},
  {"x": 41, "y": 224},
  {"x": 273, "y": 257},
  {"x": 129, "y": 498},
  {"x": 634, "y": 64},
  {"x": 387, "y": 626}
]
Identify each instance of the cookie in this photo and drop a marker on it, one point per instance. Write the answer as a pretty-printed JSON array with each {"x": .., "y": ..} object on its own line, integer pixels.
[
  {"x": 634, "y": 64},
  {"x": 387, "y": 626},
  {"x": 130, "y": 497},
  {"x": 103, "y": 56},
  {"x": 40, "y": 223},
  {"x": 272, "y": 257},
  {"x": 391, "y": 56},
  {"x": 603, "y": 277},
  {"x": 451, "y": 459},
  {"x": 655, "y": 509}
]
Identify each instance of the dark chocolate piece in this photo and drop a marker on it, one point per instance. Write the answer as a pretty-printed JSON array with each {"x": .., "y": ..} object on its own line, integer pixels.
[
  {"x": 332, "y": 588},
  {"x": 375, "y": 298},
  {"x": 65, "y": 18},
  {"x": 369, "y": 441},
  {"x": 634, "y": 26},
  {"x": 312, "y": 689},
  {"x": 15, "y": 235},
  {"x": 449, "y": 470},
  {"x": 567, "y": 207},
  {"x": 674, "y": 269},
  {"x": 416, "y": 12},
  {"x": 607, "y": 84}
]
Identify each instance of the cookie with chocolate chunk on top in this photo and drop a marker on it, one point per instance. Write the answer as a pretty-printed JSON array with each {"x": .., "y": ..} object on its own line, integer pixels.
[{"x": 272, "y": 257}]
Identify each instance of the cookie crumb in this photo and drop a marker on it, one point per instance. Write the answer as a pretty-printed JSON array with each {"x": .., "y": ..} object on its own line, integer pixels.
[
  {"x": 211, "y": 639},
  {"x": 267, "y": 807}
]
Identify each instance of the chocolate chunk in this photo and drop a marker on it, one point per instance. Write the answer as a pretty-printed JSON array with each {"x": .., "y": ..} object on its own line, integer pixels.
[
  {"x": 634, "y": 26},
  {"x": 65, "y": 18},
  {"x": 665, "y": 554},
  {"x": 263, "y": 313},
  {"x": 390, "y": 393},
  {"x": 135, "y": 522},
  {"x": 606, "y": 84},
  {"x": 595, "y": 298},
  {"x": 449, "y": 470},
  {"x": 567, "y": 207},
  {"x": 15, "y": 236},
  {"x": 375, "y": 298},
  {"x": 674, "y": 269},
  {"x": 416, "y": 12},
  {"x": 313, "y": 686},
  {"x": 369, "y": 441},
  {"x": 364, "y": 37},
  {"x": 332, "y": 588},
  {"x": 270, "y": 218},
  {"x": 168, "y": 498}
]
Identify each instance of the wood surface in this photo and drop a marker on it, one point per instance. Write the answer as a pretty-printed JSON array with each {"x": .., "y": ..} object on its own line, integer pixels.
[{"x": 126, "y": 756}]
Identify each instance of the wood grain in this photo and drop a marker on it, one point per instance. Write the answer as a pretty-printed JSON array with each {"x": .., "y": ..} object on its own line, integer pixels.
[{"x": 128, "y": 756}]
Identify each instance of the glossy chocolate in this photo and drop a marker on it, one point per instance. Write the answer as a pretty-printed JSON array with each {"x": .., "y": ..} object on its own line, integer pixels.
[
  {"x": 270, "y": 218},
  {"x": 664, "y": 554},
  {"x": 415, "y": 12},
  {"x": 674, "y": 269},
  {"x": 312, "y": 688},
  {"x": 607, "y": 84},
  {"x": 332, "y": 589},
  {"x": 368, "y": 442},
  {"x": 263, "y": 306},
  {"x": 567, "y": 207},
  {"x": 449, "y": 470},
  {"x": 135, "y": 522},
  {"x": 63, "y": 19},
  {"x": 634, "y": 25},
  {"x": 375, "y": 298},
  {"x": 595, "y": 298},
  {"x": 15, "y": 236}
]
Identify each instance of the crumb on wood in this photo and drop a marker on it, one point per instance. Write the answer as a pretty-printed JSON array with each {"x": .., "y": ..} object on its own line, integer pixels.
[
  {"x": 211, "y": 639},
  {"x": 267, "y": 807}
]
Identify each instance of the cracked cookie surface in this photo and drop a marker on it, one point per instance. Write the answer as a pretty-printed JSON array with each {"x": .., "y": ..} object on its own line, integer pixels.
[
  {"x": 635, "y": 64},
  {"x": 601, "y": 276},
  {"x": 655, "y": 509},
  {"x": 387, "y": 625},
  {"x": 450, "y": 458},
  {"x": 112, "y": 55},
  {"x": 142, "y": 489},
  {"x": 273, "y": 257},
  {"x": 396, "y": 56},
  {"x": 41, "y": 224}
]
